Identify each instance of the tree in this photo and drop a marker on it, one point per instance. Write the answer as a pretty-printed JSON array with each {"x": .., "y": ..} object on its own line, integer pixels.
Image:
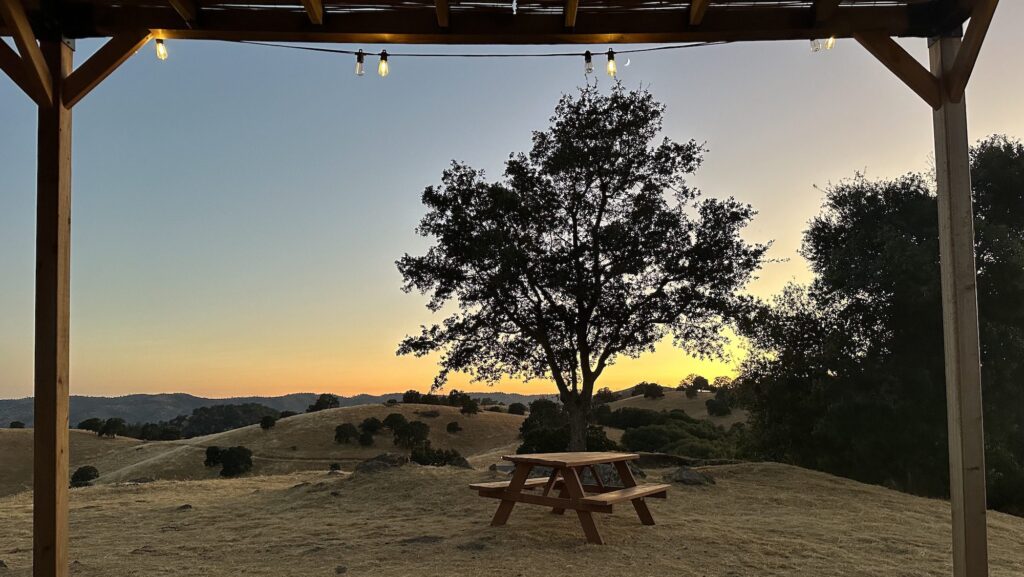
[
  {"x": 345, "y": 433},
  {"x": 371, "y": 425},
  {"x": 605, "y": 396},
  {"x": 517, "y": 409},
  {"x": 453, "y": 427},
  {"x": 395, "y": 420},
  {"x": 411, "y": 397},
  {"x": 470, "y": 407},
  {"x": 17, "y": 425},
  {"x": 286, "y": 414},
  {"x": 366, "y": 439},
  {"x": 93, "y": 424},
  {"x": 84, "y": 476},
  {"x": 113, "y": 427},
  {"x": 721, "y": 382},
  {"x": 213, "y": 456},
  {"x": 323, "y": 402},
  {"x": 268, "y": 422},
  {"x": 577, "y": 257},
  {"x": 412, "y": 434},
  {"x": 649, "y": 390},
  {"x": 235, "y": 461}
]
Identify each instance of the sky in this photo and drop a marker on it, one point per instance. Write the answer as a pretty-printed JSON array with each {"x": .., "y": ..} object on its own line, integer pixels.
[{"x": 237, "y": 210}]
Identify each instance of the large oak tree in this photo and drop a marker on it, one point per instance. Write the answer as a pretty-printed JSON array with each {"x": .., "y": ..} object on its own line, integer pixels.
[{"x": 592, "y": 246}]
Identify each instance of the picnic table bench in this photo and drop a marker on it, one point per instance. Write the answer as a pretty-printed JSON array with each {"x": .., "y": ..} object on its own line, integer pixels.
[{"x": 566, "y": 479}]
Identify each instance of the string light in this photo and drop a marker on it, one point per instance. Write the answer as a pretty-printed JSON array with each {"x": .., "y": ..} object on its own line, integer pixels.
[
  {"x": 612, "y": 68},
  {"x": 815, "y": 45},
  {"x": 818, "y": 45},
  {"x": 161, "y": 49},
  {"x": 359, "y": 63},
  {"x": 382, "y": 67},
  {"x": 830, "y": 43},
  {"x": 588, "y": 63}
]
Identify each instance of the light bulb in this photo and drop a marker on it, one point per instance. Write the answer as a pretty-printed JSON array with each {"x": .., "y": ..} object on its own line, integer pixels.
[
  {"x": 161, "y": 49},
  {"x": 612, "y": 68},
  {"x": 588, "y": 63},
  {"x": 359, "y": 64},
  {"x": 382, "y": 67},
  {"x": 830, "y": 43},
  {"x": 815, "y": 45}
]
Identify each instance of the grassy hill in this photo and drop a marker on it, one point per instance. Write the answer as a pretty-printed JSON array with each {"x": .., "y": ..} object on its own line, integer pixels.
[
  {"x": 677, "y": 400},
  {"x": 763, "y": 519}
]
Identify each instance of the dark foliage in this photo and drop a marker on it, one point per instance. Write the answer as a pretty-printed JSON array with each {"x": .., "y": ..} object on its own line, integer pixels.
[
  {"x": 366, "y": 439},
  {"x": 214, "y": 455},
  {"x": 495, "y": 409},
  {"x": 431, "y": 414},
  {"x": 84, "y": 476},
  {"x": 453, "y": 427},
  {"x": 394, "y": 420},
  {"x": 112, "y": 428},
  {"x": 649, "y": 390},
  {"x": 286, "y": 414},
  {"x": 412, "y": 434},
  {"x": 470, "y": 407},
  {"x": 323, "y": 402},
  {"x": 235, "y": 461},
  {"x": 423, "y": 454},
  {"x": 717, "y": 407},
  {"x": 17, "y": 425},
  {"x": 371, "y": 425},
  {"x": 546, "y": 430},
  {"x": 345, "y": 433},
  {"x": 517, "y": 409},
  {"x": 268, "y": 422},
  {"x": 605, "y": 396},
  {"x": 95, "y": 425},
  {"x": 335, "y": 466}
]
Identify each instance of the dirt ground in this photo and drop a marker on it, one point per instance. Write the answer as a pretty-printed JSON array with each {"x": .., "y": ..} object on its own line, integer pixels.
[{"x": 759, "y": 519}]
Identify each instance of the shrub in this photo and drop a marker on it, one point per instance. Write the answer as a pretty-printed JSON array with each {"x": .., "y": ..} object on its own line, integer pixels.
[
  {"x": 431, "y": 414},
  {"x": 649, "y": 390},
  {"x": 630, "y": 418},
  {"x": 651, "y": 438},
  {"x": 411, "y": 397},
  {"x": 691, "y": 393},
  {"x": 395, "y": 420},
  {"x": 495, "y": 409},
  {"x": 555, "y": 440},
  {"x": 345, "y": 432},
  {"x": 84, "y": 476},
  {"x": 605, "y": 396},
  {"x": 517, "y": 409},
  {"x": 286, "y": 414},
  {"x": 17, "y": 425},
  {"x": 453, "y": 427},
  {"x": 323, "y": 402},
  {"x": 366, "y": 439},
  {"x": 412, "y": 434},
  {"x": 214, "y": 455},
  {"x": 371, "y": 425},
  {"x": 95, "y": 425},
  {"x": 390, "y": 402},
  {"x": 113, "y": 427},
  {"x": 235, "y": 461},
  {"x": 335, "y": 466},
  {"x": 267, "y": 423},
  {"x": 470, "y": 407},
  {"x": 425, "y": 455},
  {"x": 717, "y": 407}
]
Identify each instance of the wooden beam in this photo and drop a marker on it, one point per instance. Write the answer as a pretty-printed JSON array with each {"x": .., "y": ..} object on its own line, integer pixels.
[
  {"x": 187, "y": 9},
  {"x": 13, "y": 13},
  {"x": 12, "y": 64},
  {"x": 967, "y": 56},
  {"x": 101, "y": 64},
  {"x": 960, "y": 325},
  {"x": 53, "y": 264},
  {"x": 697, "y": 10},
  {"x": 824, "y": 9},
  {"x": 315, "y": 11},
  {"x": 571, "y": 7},
  {"x": 904, "y": 66},
  {"x": 441, "y": 7}
]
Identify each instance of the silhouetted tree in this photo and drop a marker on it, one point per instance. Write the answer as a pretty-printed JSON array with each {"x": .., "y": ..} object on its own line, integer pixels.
[
  {"x": 605, "y": 396},
  {"x": 286, "y": 414},
  {"x": 93, "y": 424},
  {"x": 235, "y": 460},
  {"x": 394, "y": 420},
  {"x": 113, "y": 427},
  {"x": 648, "y": 390},
  {"x": 412, "y": 434},
  {"x": 84, "y": 476},
  {"x": 267, "y": 423},
  {"x": 371, "y": 425},
  {"x": 411, "y": 397},
  {"x": 323, "y": 402},
  {"x": 17, "y": 425},
  {"x": 213, "y": 456},
  {"x": 577, "y": 256},
  {"x": 365, "y": 439},
  {"x": 517, "y": 409},
  {"x": 453, "y": 427},
  {"x": 345, "y": 433},
  {"x": 470, "y": 407}
]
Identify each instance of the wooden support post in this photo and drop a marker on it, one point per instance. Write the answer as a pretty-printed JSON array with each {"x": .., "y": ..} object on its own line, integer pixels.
[
  {"x": 102, "y": 64},
  {"x": 315, "y": 11},
  {"x": 441, "y": 8},
  {"x": 13, "y": 13},
  {"x": 697, "y": 10},
  {"x": 960, "y": 324},
  {"x": 570, "y": 9},
  {"x": 53, "y": 258}
]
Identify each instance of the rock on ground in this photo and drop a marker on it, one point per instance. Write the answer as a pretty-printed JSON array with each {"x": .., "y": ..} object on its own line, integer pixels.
[
  {"x": 688, "y": 476},
  {"x": 382, "y": 462}
]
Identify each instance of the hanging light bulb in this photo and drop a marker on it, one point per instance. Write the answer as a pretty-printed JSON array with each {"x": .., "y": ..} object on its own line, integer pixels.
[
  {"x": 382, "y": 67},
  {"x": 588, "y": 63},
  {"x": 830, "y": 43},
  {"x": 359, "y": 63},
  {"x": 815, "y": 45},
  {"x": 161, "y": 49},
  {"x": 612, "y": 68}
]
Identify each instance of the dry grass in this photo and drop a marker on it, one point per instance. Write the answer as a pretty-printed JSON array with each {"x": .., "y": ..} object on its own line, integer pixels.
[
  {"x": 677, "y": 400},
  {"x": 758, "y": 520}
]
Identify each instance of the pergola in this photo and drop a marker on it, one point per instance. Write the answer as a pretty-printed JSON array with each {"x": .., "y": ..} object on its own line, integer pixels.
[{"x": 44, "y": 32}]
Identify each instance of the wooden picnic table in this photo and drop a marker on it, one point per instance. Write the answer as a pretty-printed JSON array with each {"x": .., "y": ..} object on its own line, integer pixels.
[{"x": 566, "y": 478}]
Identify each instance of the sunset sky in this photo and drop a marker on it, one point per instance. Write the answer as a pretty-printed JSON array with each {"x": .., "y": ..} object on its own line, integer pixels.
[{"x": 238, "y": 209}]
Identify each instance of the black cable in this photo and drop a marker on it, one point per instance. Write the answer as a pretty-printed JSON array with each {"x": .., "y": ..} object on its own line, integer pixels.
[{"x": 480, "y": 54}]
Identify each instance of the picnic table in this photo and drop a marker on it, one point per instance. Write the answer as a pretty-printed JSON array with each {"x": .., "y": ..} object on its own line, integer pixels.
[{"x": 566, "y": 478}]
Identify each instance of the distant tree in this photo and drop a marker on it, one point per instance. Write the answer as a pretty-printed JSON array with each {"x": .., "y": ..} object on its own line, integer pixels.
[
  {"x": 366, "y": 439},
  {"x": 214, "y": 455},
  {"x": 457, "y": 398},
  {"x": 335, "y": 466},
  {"x": 648, "y": 390},
  {"x": 93, "y": 424},
  {"x": 390, "y": 402},
  {"x": 411, "y": 397},
  {"x": 717, "y": 407},
  {"x": 470, "y": 407},
  {"x": 425, "y": 455},
  {"x": 721, "y": 382},
  {"x": 286, "y": 414},
  {"x": 267, "y": 423},
  {"x": 453, "y": 427},
  {"x": 113, "y": 427},
  {"x": 394, "y": 420},
  {"x": 605, "y": 396},
  {"x": 412, "y": 434},
  {"x": 345, "y": 433},
  {"x": 235, "y": 461},
  {"x": 700, "y": 384},
  {"x": 495, "y": 409},
  {"x": 592, "y": 247},
  {"x": 371, "y": 425},
  {"x": 84, "y": 476},
  {"x": 323, "y": 402},
  {"x": 17, "y": 425},
  {"x": 517, "y": 409}
]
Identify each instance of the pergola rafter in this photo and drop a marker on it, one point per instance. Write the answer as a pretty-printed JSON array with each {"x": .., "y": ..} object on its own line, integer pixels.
[{"x": 43, "y": 32}]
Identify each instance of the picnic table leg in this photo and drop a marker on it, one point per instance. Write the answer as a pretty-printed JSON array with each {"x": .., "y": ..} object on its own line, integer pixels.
[
  {"x": 639, "y": 504},
  {"x": 519, "y": 477},
  {"x": 571, "y": 481},
  {"x": 563, "y": 493}
]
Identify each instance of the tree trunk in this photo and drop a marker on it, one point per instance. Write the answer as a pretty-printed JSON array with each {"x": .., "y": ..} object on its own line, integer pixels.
[{"x": 577, "y": 426}]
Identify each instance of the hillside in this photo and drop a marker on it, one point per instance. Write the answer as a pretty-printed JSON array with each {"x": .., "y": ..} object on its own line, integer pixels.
[
  {"x": 764, "y": 520},
  {"x": 677, "y": 400},
  {"x": 164, "y": 407}
]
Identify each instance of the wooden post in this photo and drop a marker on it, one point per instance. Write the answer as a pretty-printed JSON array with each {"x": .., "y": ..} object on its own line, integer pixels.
[
  {"x": 53, "y": 252},
  {"x": 960, "y": 324}
]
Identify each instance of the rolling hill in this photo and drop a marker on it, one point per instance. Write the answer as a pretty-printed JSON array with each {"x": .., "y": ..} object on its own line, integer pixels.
[{"x": 677, "y": 400}]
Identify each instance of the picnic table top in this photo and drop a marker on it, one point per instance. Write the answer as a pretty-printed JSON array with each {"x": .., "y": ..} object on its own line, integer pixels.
[{"x": 570, "y": 459}]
